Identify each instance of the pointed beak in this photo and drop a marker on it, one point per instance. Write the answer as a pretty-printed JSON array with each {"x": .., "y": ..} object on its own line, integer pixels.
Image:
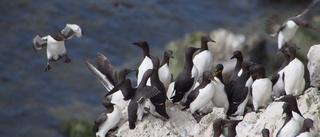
[
  {"x": 211, "y": 40},
  {"x": 171, "y": 56}
]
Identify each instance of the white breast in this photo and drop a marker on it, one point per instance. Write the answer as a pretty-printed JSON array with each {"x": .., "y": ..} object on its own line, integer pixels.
[
  {"x": 112, "y": 121},
  {"x": 203, "y": 61},
  {"x": 165, "y": 75},
  {"x": 220, "y": 98},
  {"x": 144, "y": 66},
  {"x": 278, "y": 88},
  {"x": 204, "y": 97},
  {"x": 261, "y": 92},
  {"x": 55, "y": 48},
  {"x": 290, "y": 129},
  {"x": 294, "y": 77}
]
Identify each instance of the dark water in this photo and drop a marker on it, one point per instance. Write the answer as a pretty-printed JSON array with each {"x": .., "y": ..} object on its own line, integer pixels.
[{"x": 35, "y": 103}]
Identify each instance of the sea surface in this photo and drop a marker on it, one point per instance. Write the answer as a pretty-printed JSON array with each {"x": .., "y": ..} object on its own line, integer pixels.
[{"x": 35, "y": 103}]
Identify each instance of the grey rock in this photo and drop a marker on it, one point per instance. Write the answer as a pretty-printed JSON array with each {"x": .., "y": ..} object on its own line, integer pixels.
[{"x": 314, "y": 65}]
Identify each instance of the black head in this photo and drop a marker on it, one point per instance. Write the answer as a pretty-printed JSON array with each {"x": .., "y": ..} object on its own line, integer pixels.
[
  {"x": 208, "y": 75},
  {"x": 107, "y": 103},
  {"x": 237, "y": 54},
  {"x": 206, "y": 38},
  {"x": 161, "y": 109},
  {"x": 245, "y": 65},
  {"x": 265, "y": 132},
  {"x": 125, "y": 71},
  {"x": 259, "y": 70},
  {"x": 293, "y": 47},
  {"x": 288, "y": 99},
  {"x": 219, "y": 68},
  {"x": 168, "y": 54},
  {"x": 141, "y": 44},
  {"x": 308, "y": 123}
]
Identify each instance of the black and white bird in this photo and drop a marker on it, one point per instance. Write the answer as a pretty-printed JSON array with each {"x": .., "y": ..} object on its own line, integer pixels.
[
  {"x": 142, "y": 93},
  {"x": 55, "y": 43},
  {"x": 146, "y": 62},
  {"x": 109, "y": 78},
  {"x": 236, "y": 71},
  {"x": 165, "y": 74},
  {"x": 108, "y": 119},
  {"x": 278, "y": 77},
  {"x": 294, "y": 82},
  {"x": 204, "y": 59},
  {"x": 201, "y": 95},
  {"x": 186, "y": 79},
  {"x": 220, "y": 98},
  {"x": 261, "y": 88},
  {"x": 239, "y": 93},
  {"x": 286, "y": 30},
  {"x": 158, "y": 102},
  {"x": 292, "y": 102},
  {"x": 290, "y": 126}
]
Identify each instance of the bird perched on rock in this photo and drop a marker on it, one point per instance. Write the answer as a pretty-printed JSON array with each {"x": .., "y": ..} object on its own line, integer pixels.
[
  {"x": 201, "y": 96},
  {"x": 109, "y": 78},
  {"x": 294, "y": 82},
  {"x": 290, "y": 126},
  {"x": 220, "y": 98},
  {"x": 261, "y": 88},
  {"x": 158, "y": 102},
  {"x": 108, "y": 119},
  {"x": 292, "y": 102},
  {"x": 286, "y": 30},
  {"x": 142, "y": 93},
  {"x": 203, "y": 60},
  {"x": 55, "y": 43},
  {"x": 239, "y": 93},
  {"x": 234, "y": 76},
  {"x": 165, "y": 74},
  {"x": 146, "y": 62},
  {"x": 186, "y": 78},
  {"x": 278, "y": 77}
]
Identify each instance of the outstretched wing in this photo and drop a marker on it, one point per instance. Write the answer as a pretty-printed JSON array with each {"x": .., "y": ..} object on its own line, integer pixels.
[
  {"x": 102, "y": 118},
  {"x": 39, "y": 42},
  {"x": 273, "y": 25},
  {"x": 307, "y": 9},
  {"x": 146, "y": 93},
  {"x": 70, "y": 30},
  {"x": 106, "y": 68},
  {"x": 105, "y": 82}
]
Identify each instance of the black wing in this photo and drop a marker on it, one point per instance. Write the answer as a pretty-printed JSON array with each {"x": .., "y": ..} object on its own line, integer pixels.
[
  {"x": 106, "y": 68},
  {"x": 105, "y": 82},
  {"x": 102, "y": 118},
  {"x": 273, "y": 25}
]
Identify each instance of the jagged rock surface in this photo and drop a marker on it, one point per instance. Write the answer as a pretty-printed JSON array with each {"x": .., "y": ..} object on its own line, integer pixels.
[
  {"x": 314, "y": 65},
  {"x": 181, "y": 123}
]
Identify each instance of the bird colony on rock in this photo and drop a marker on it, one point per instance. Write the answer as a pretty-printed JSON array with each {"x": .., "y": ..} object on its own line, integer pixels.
[{"x": 197, "y": 84}]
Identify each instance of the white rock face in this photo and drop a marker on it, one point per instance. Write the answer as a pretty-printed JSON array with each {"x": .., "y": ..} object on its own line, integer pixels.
[
  {"x": 314, "y": 65},
  {"x": 182, "y": 123}
]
